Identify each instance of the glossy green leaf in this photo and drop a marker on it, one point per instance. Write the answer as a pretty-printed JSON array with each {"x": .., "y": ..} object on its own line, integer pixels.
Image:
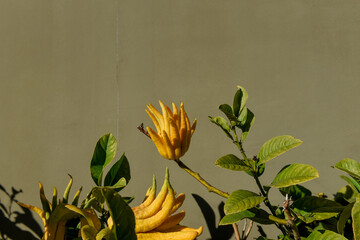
[
  {"x": 121, "y": 169},
  {"x": 122, "y": 215},
  {"x": 355, "y": 184},
  {"x": 241, "y": 200},
  {"x": 223, "y": 124},
  {"x": 232, "y": 162},
  {"x": 349, "y": 166},
  {"x": 236, "y": 217},
  {"x": 312, "y": 208},
  {"x": 355, "y": 214},
  {"x": 247, "y": 119},
  {"x": 104, "y": 153},
  {"x": 344, "y": 216},
  {"x": 240, "y": 100},
  {"x": 293, "y": 174},
  {"x": 228, "y": 111},
  {"x": 327, "y": 235},
  {"x": 277, "y": 146},
  {"x": 295, "y": 192}
]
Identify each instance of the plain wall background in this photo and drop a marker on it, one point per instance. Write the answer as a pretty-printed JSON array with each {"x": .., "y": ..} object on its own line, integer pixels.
[{"x": 71, "y": 71}]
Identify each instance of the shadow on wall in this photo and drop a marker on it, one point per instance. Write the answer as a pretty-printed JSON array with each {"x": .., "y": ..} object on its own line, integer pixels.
[
  {"x": 14, "y": 223},
  {"x": 216, "y": 232}
]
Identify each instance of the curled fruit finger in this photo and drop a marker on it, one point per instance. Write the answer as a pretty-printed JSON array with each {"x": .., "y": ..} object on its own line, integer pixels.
[
  {"x": 167, "y": 235},
  {"x": 171, "y": 221}
]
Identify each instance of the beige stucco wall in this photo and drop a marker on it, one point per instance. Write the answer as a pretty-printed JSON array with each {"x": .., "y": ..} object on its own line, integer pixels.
[{"x": 71, "y": 71}]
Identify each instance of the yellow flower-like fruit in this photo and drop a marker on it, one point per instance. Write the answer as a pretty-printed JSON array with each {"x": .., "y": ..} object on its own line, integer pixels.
[
  {"x": 154, "y": 218},
  {"x": 173, "y": 131}
]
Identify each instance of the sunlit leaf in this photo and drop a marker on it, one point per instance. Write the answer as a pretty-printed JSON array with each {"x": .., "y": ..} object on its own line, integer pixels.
[
  {"x": 222, "y": 123},
  {"x": 241, "y": 200},
  {"x": 240, "y": 100},
  {"x": 312, "y": 208},
  {"x": 88, "y": 233},
  {"x": 327, "y": 235},
  {"x": 228, "y": 111},
  {"x": 236, "y": 217},
  {"x": 247, "y": 119},
  {"x": 104, "y": 153},
  {"x": 352, "y": 182},
  {"x": 277, "y": 146},
  {"x": 355, "y": 214},
  {"x": 349, "y": 166},
  {"x": 232, "y": 162},
  {"x": 293, "y": 174}
]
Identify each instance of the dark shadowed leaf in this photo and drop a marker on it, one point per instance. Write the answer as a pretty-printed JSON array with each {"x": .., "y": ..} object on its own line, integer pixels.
[
  {"x": 312, "y": 208},
  {"x": 121, "y": 169}
]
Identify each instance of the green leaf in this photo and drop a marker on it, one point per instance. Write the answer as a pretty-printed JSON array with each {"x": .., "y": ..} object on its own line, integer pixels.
[
  {"x": 277, "y": 146},
  {"x": 295, "y": 191},
  {"x": 263, "y": 238},
  {"x": 355, "y": 214},
  {"x": 222, "y": 123},
  {"x": 88, "y": 233},
  {"x": 345, "y": 195},
  {"x": 349, "y": 166},
  {"x": 122, "y": 215},
  {"x": 240, "y": 100},
  {"x": 247, "y": 119},
  {"x": 121, "y": 169},
  {"x": 228, "y": 111},
  {"x": 261, "y": 216},
  {"x": 344, "y": 216},
  {"x": 232, "y": 162},
  {"x": 241, "y": 200},
  {"x": 352, "y": 182},
  {"x": 104, "y": 153},
  {"x": 104, "y": 233},
  {"x": 294, "y": 174},
  {"x": 312, "y": 208},
  {"x": 327, "y": 235},
  {"x": 236, "y": 217}
]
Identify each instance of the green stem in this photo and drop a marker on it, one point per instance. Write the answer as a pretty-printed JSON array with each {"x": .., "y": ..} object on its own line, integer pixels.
[
  {"x": 197, "y": 176},
  {"x": 266, "y": 201}
]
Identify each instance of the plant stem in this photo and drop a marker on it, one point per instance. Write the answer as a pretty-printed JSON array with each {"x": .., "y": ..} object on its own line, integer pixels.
[
  {"x": 236, "y": 231},
  {"x": 197, "y": 176},
  {"x": 238, "y": 143},
  {"x": 209, "y": 187},
  {"x": 290, "y": 221}
]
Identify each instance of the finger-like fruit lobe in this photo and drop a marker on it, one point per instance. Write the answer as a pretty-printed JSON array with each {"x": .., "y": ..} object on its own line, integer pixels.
[{"x": 155, "y": 218}]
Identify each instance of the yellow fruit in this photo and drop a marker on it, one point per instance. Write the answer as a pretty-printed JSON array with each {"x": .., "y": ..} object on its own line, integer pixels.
[
  {"x": 167, "y": 236},
  {"x": 155, "y": 206},
  {"x": 178, "y": 202},
  {"x": 148, "y": 224},
  {"x": 185, "y": 229},
  {"x": 171, "y": 221},
  {"x": 150, "y": 196}
]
